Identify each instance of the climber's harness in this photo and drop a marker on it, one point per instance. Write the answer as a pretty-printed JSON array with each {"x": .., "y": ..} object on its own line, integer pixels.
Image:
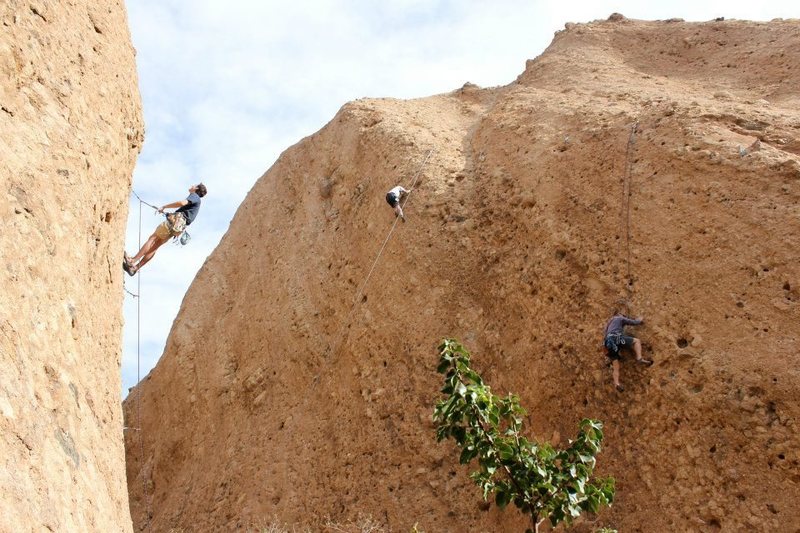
[
  {"x": 613, "y": 341},
  {"x": 176, "y": 223}
]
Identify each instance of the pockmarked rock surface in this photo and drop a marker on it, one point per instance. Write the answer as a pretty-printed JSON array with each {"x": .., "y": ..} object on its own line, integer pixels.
[
  {"x": 653, "y": 163},
  {"x": 70, "y": 130}
]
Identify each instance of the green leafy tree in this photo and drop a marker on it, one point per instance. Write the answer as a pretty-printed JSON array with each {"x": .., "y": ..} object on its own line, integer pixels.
[{"x": 541, "y": 481}]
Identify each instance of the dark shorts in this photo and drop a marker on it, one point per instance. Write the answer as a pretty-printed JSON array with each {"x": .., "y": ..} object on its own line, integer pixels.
[
  {"x": 621, "y": 341},
  {"x": 391, "y": 199}
]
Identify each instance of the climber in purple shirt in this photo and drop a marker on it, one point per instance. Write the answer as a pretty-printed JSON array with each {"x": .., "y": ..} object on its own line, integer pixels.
[{"x": 614, "y": 339}]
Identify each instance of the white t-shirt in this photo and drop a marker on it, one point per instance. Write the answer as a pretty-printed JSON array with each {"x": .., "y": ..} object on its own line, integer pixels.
[{"x": 397, "y": 190}]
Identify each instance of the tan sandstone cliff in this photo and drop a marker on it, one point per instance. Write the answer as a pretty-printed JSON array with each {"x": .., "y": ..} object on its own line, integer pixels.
[
  {"x": 70, "y": 130},
  {"x": 518, "y": 242}
]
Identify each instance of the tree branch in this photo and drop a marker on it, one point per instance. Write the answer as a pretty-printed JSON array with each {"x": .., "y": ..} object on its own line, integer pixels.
[{"x": 477, "y": 414}]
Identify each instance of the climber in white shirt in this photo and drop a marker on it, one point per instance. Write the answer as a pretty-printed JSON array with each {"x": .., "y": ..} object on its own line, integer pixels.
[{"x": 393, "y": 199}]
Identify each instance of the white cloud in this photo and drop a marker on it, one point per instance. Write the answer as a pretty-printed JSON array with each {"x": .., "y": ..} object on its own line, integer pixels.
[{"x": 226, "y": 86}]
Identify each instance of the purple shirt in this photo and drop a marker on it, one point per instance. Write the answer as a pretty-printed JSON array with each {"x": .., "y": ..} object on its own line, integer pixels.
[{"x": 617, "y": 324}]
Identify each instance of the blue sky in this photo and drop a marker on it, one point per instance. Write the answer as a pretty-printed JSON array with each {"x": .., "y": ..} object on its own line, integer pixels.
[{"x": 228, "y": 85}]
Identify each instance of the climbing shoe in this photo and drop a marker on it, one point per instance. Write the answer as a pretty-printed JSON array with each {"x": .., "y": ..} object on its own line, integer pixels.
[
  {"x": 131, "y": 270},
  {"x": 620, "y": 388},
  {"x": 645, "y": 362}
]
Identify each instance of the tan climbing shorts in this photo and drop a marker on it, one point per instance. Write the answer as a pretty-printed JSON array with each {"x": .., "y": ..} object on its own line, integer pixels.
[{"x": 163, "y": 232}]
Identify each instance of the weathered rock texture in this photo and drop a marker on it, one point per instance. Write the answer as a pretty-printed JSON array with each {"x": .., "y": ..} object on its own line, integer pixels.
[
  {"x": 70, "y": 130},
  {"x": 517, "y": 244}
]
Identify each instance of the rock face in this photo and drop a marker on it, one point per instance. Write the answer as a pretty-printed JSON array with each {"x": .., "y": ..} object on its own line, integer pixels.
[
  {"x": 649, "y": 162},
  {"x": 70, "y": 130}
]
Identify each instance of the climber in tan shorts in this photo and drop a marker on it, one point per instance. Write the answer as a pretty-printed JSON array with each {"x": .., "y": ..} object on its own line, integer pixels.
[{"x": 173, "y": 226}]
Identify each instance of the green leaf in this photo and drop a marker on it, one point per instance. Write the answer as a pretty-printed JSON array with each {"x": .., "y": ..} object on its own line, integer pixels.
[
  {"x": 557, "y": 516},
  {"x": 467, "y": 455},
  {"x": 502, "y": 498},
  {"x": 593, "y": 504},
  {"x": 505, "y": 450}
]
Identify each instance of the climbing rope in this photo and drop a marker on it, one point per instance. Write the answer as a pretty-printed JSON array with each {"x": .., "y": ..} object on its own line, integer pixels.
[
  {"x": 139, "y": 365},
  {"x": 140, "y": 209},
  {"x": 340, "y": 336},
  {"x": 626, "y": 206},
  {"x": 139, "y": 374}
]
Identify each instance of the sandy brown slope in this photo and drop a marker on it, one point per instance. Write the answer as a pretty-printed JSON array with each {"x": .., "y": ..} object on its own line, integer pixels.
[
  {"x": 517, "y": 243},
  {"x": 70, "y": 131}
]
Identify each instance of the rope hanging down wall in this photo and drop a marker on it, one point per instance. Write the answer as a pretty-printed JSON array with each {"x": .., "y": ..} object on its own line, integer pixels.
[
  {"x": 340, "y": 336},
  {"x": 626, "y": 207},
  {"x": 138, "y": 427}
]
